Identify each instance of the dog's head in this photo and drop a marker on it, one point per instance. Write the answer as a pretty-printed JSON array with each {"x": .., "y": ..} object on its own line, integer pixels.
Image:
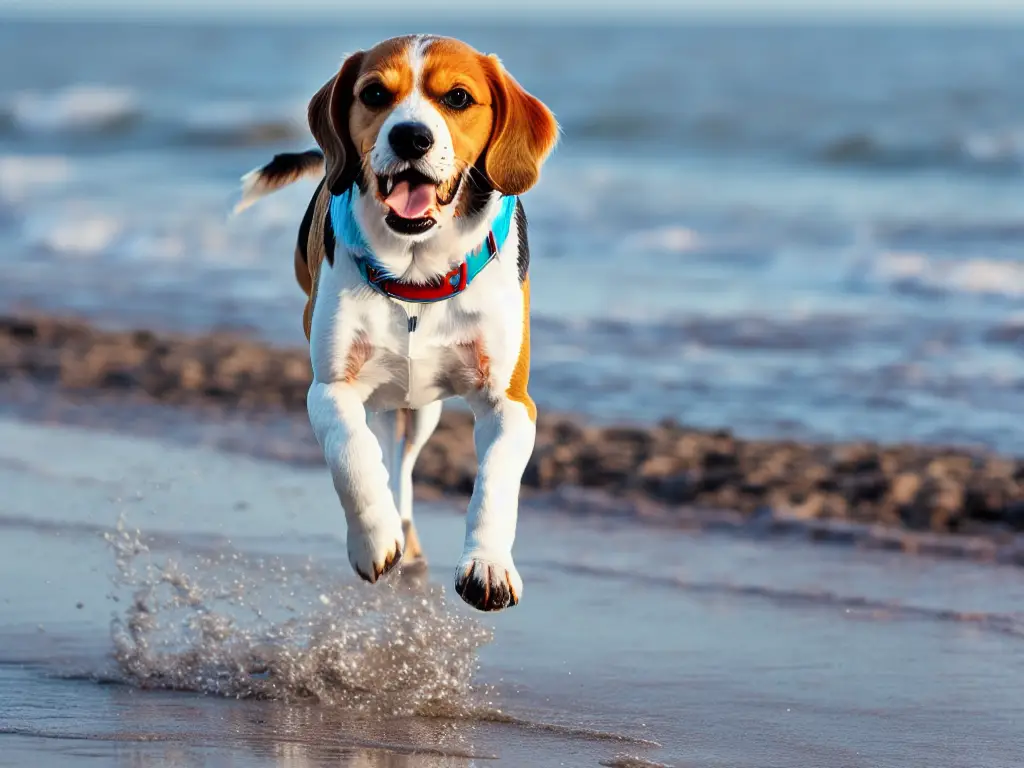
[{"x": 415, "y": 122}]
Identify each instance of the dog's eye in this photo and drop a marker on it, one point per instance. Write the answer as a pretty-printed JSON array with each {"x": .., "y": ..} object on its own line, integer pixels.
[
  {"x": 375, "y": 96},
  {"x": 457, "y": 98}
]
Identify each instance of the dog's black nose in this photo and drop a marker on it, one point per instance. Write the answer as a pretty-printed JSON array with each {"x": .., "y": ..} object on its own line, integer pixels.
[{"x": 411, "y": 141}]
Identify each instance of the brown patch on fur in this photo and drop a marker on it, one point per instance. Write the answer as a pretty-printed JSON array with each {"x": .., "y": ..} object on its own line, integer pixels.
[
  {"x": 452, "y": 64},
  {"x": 517, "y": 385},
  {"x": 302, "y": 275},
  {"x": 405, "y": 424},
  {"x": 477, "y": 363},
  {"x": 307, "y": 271},
  {"x": 413, "y": 549},
  {"x": 524, "y": 133},
  {"x": 358, "y": 355},
  {"x": 403, "y": 417},
  {"x": 387, "y": 63},
  {"x": 328, "y": 122},
  {"x": 511, "y": 589},
  {"x": 342, "y": 125}
]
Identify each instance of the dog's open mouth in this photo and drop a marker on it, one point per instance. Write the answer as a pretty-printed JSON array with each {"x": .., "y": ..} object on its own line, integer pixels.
[{"x": 413, "y": 198}]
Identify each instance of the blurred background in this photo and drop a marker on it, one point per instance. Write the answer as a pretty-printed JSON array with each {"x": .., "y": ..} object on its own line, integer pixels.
[{"x": 778, "y": 219}]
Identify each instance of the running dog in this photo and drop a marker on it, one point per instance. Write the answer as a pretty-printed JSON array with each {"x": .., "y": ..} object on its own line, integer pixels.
[{"x": 414, "y": 256}]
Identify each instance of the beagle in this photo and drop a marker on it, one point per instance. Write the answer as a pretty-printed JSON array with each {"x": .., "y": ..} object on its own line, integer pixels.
[{"x": 414, "y": 256}]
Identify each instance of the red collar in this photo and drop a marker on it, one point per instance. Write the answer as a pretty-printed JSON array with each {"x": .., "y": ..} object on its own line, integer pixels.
[{"x": 452, "y": 284}]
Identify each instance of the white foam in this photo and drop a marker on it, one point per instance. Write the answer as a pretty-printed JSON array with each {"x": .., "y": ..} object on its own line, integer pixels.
[
  {"x": 239, "y": 123},
  {"x": 76, "y": 108},
  {"x": 224, "y": 114},
  {"x": 74, "y": 233},
  {"x": 995, "y": 147},
  {"x": 23, "y": 175},
  {"x": 241, "y": 114},
  {"x": 894, "y": 267},
  {"x": 154, "y": 246},
  {"x": 673, "y": 239},
  {"x": 979, "y": 276}
]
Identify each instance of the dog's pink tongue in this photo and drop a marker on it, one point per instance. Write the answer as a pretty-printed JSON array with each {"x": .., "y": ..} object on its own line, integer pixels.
[{"x": 412, "y": 202}]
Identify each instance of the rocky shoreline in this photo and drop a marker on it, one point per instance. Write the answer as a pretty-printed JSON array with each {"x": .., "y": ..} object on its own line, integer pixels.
[{"x": 914, "y": 488}]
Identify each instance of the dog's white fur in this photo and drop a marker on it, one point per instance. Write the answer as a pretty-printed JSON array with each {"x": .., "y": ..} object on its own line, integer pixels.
[
  {"x": 354, "y": 417},
  {"x": 417, "y": 370}
]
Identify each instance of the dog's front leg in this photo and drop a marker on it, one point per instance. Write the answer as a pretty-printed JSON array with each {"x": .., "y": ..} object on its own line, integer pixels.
[
  {"x": 338, "y": 417},
  {"x": 486, "y": 577}
]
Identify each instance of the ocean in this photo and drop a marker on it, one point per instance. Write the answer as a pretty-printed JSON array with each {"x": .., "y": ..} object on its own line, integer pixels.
[{"x": 806, "y": 231}]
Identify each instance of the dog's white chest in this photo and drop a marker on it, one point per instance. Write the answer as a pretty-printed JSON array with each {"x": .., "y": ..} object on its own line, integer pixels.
[
  {"x": 407, "y": 355},
  {"x": 415, "y": 362}
]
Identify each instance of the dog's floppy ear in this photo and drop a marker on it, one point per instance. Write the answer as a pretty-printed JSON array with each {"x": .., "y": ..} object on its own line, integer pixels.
[
  {"x": 523, "y": 135},
  {"x": 328, "y": 122}
]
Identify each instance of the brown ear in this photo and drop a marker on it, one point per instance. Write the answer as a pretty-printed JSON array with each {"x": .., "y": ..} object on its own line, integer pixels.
[
  {"x": 524, "y": 133},
  {"x": 328, "y": 122}
]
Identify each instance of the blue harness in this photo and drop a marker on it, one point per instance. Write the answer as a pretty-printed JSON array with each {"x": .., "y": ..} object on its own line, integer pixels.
[{"x": 347, "y": 231}]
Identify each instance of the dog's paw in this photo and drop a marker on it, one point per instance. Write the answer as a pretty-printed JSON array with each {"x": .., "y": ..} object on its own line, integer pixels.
[
  {"x": 375, "y": 549},
  {"x": 488, "y": 583}
]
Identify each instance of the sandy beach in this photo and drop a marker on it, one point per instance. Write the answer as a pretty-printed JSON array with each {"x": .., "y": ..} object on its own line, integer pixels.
[
  {"x": 232, "y": 590},
  {"x": 965, "y": 501}
]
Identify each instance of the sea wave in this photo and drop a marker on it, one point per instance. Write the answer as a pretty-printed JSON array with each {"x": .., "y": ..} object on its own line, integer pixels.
[
  {"x": 995, "y": 149},
  {"x": 821, "y": 333},
  {"x": 669, "y": 239},
  {"x": 977, "y": 150},
  {"x": 917, "y": 272},
  {"x": 99, "y": 113},
  {"x": 239, "y": 124},
  {"x": 989, "y": 147},
  {"x": 1009, "y": 331},
  {"x": 909, "y": 233},
  {"x": 77, "y": 108},
  {"x": 23, "y": 175},
  {"x": 76, "y": 233}
]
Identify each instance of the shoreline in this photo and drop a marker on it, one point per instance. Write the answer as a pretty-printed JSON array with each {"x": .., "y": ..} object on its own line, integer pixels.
[{"x": 73, "y": 371}]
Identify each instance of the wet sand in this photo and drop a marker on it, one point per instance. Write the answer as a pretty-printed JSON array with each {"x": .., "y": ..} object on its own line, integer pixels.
[{"x": 631, "y": 643}]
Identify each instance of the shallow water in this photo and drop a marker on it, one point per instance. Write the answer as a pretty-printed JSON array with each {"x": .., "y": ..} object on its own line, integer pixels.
[
  {"x": 232, "y": 582},
  {"x": 805, "y": 230}
]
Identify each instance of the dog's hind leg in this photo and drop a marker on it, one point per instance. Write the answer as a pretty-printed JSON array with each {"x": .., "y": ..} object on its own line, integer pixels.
[
  {"x": 419, "y": 426},
  {"x": 402, "y": 434}
]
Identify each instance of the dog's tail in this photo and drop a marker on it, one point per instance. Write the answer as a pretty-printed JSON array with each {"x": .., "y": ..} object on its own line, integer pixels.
[{"x": 283, "y": 170}]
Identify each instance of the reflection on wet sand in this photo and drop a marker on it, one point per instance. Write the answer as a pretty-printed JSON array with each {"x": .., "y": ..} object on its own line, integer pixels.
[{"x": 295, "y": 736}]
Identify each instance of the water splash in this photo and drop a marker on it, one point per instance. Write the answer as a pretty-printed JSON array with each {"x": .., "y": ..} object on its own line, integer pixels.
[{"x": 242, "y": 626}]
